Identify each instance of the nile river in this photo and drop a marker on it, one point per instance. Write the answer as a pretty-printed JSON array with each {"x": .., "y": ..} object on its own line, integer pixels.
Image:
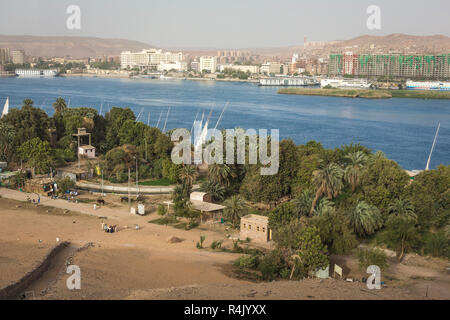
[{"x": 402, "y": 128}]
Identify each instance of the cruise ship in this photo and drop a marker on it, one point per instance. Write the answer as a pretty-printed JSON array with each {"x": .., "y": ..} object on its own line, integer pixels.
[
  {"x": 289, "y": 81},
  {"x": 25, "y": 73},
  {"x": 428, "y": 85},
  {"x": 346, "y": 83}
]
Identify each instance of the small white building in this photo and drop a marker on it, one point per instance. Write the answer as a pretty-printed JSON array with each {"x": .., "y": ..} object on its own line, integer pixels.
[{"x": 87, "y": 151}]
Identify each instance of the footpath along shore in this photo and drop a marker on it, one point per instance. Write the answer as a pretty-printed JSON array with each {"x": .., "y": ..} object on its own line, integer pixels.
[{"x": 65, "y": 205}]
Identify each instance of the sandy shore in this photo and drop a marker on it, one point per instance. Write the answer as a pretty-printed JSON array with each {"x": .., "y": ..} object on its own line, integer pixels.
[{"x": 141, "y": 264}]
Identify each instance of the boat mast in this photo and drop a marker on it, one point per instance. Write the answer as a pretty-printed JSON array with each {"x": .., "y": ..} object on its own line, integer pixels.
[
  {"x": 165, "y": 122},
  {"x": 432, "y": 148}
]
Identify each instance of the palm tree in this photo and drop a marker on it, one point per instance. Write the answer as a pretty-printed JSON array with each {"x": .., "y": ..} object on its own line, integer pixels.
[
  {"x": 216, "y": 190},
  {"x": 220, "y": 173},
  {"x": 357, "y": 160},
  {"x": 365, "y": 219},
  {"x": 328, "y": 181},
  {"x": 28, "y": 103},
  {"x": 323, "y": 207},
  {"x": 235, "y": 207},
  {"x": 188, "y": 174},
  {"x": 402, "y": 208},
  {"x": 303, "y": 203},
  {"x": 59, "y": 105}
]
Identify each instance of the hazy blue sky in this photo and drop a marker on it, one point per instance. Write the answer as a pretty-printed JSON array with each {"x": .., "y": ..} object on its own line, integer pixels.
[{"x": 226, "y": 23}]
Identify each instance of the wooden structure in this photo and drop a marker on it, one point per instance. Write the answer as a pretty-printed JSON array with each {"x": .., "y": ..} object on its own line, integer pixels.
[
  {"x": 256, "y": 228},
  {"x": 41, "y": 186},
  {"x": 208, "y": 210},
  {"x": 86, "y": 150}
]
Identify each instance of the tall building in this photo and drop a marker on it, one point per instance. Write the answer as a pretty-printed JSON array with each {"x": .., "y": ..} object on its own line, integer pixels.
[
  {"x": 392, "y": 65},
  {"x": 5, "y": 56},
  {"x": 18, "y": 56},
  {"x": 150, "y": 58},
  {"x": 208, "y": 64}
]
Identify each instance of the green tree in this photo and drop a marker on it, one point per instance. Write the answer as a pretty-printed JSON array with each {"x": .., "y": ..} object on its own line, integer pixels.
[
  {"x": 356, "y": 161},
  {"x": 402, "y": 234},
  {"x": 59, "y": 105},
  {"x": 220, "y": 173},
  {"x": 328, "y": 181},
  {"x": 28, "y": 123},
  {"x": 334, "y": 231},
  {"x": 312, "y": 252},
  {"x": 365, "y": 219},
  {"x": 235, "y": 208},
  {"x": 188, "y": 174},
  {"x": 402, "y": 207},
  {"x": 37, "y": 154},
  {"x": 283, "y": 215},
  {"x": 7, "y": 134},
  {"x": 302, "y": 204},
  {"x": 216, "y": 190},
  {"x": 382, "y": 181}
]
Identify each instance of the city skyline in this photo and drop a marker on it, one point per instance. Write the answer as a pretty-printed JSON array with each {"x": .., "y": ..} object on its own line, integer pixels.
[{"x": 201, "y": 24}]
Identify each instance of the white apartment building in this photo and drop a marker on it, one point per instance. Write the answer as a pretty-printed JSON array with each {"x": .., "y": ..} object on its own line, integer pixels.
[
  {"x": 208, "y": 64},
  {"x": 177, "y": 66},
  {"x": 148, "y": 58},
  {"x": 243, "y": 68},
  {"x": 275, "y": 68}
]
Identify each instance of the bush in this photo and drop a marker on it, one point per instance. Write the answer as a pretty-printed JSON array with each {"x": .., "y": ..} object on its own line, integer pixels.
[
  {"x": 200, "y": 244},
  {"x": 368, "y": 257},
  {"x": 64, "y": 184},
  {"x": 162, "y": 210},
  {"x": 437, "y": 246},
  {"x": 271, "y": 265},
  {"x": 247, "y": 261},
  {"x": 216, "y": 244}
]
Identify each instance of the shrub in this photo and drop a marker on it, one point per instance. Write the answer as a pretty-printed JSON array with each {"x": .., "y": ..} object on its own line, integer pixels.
[
  {"x": 216, "y": 244},
  {"x": 162, "y": 210},
  {"x": 271, "y": 265},
  {"x": 368, "y": 257},
  {"x": 437, "y": 246},
  {"x": 200, "y": 244},
  {"x": 247, "y": 261},
  {"x": 64, "y": 184}
]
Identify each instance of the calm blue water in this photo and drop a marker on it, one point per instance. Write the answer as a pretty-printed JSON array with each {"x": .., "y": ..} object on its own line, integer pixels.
[{"x": 402, "y": 128}]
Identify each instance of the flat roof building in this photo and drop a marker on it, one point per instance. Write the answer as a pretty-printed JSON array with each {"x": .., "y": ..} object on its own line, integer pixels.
[{"x": 256, "y": 228}]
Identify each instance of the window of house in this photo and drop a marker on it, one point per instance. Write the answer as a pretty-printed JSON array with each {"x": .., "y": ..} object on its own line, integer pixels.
[
  {"x": 257, "y": 228},
  {"x": 264, "y": 229}
]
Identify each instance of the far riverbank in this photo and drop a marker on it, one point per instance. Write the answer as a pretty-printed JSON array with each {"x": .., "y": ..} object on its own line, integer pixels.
[{"x": 368, "y": 94}]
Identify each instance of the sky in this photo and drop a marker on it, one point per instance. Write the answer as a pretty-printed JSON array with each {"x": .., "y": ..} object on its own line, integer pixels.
[{"x": 215, "y": 24}]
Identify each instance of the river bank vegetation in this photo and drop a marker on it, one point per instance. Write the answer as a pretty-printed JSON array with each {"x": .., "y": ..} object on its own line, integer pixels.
[
  {"x": 367, "y": 94},
  {"x": 321, "y": 201}
]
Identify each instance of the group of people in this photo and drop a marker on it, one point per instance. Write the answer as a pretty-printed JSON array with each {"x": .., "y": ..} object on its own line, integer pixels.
[{"x": 109, "y": 228}]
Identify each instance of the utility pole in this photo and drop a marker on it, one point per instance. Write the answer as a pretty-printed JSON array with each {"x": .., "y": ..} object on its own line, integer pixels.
[
  {"x": 103, "y": 194},
  {"x": 146, "y": 154},
  {"x": 129, "y": 181},
  {"x": 137, "y": 178}
]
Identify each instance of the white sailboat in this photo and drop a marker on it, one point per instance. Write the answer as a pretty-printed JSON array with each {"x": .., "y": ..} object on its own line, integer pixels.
[
  {"x": 5, "y": 108},
  {"x": 432, "y": 147}
]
